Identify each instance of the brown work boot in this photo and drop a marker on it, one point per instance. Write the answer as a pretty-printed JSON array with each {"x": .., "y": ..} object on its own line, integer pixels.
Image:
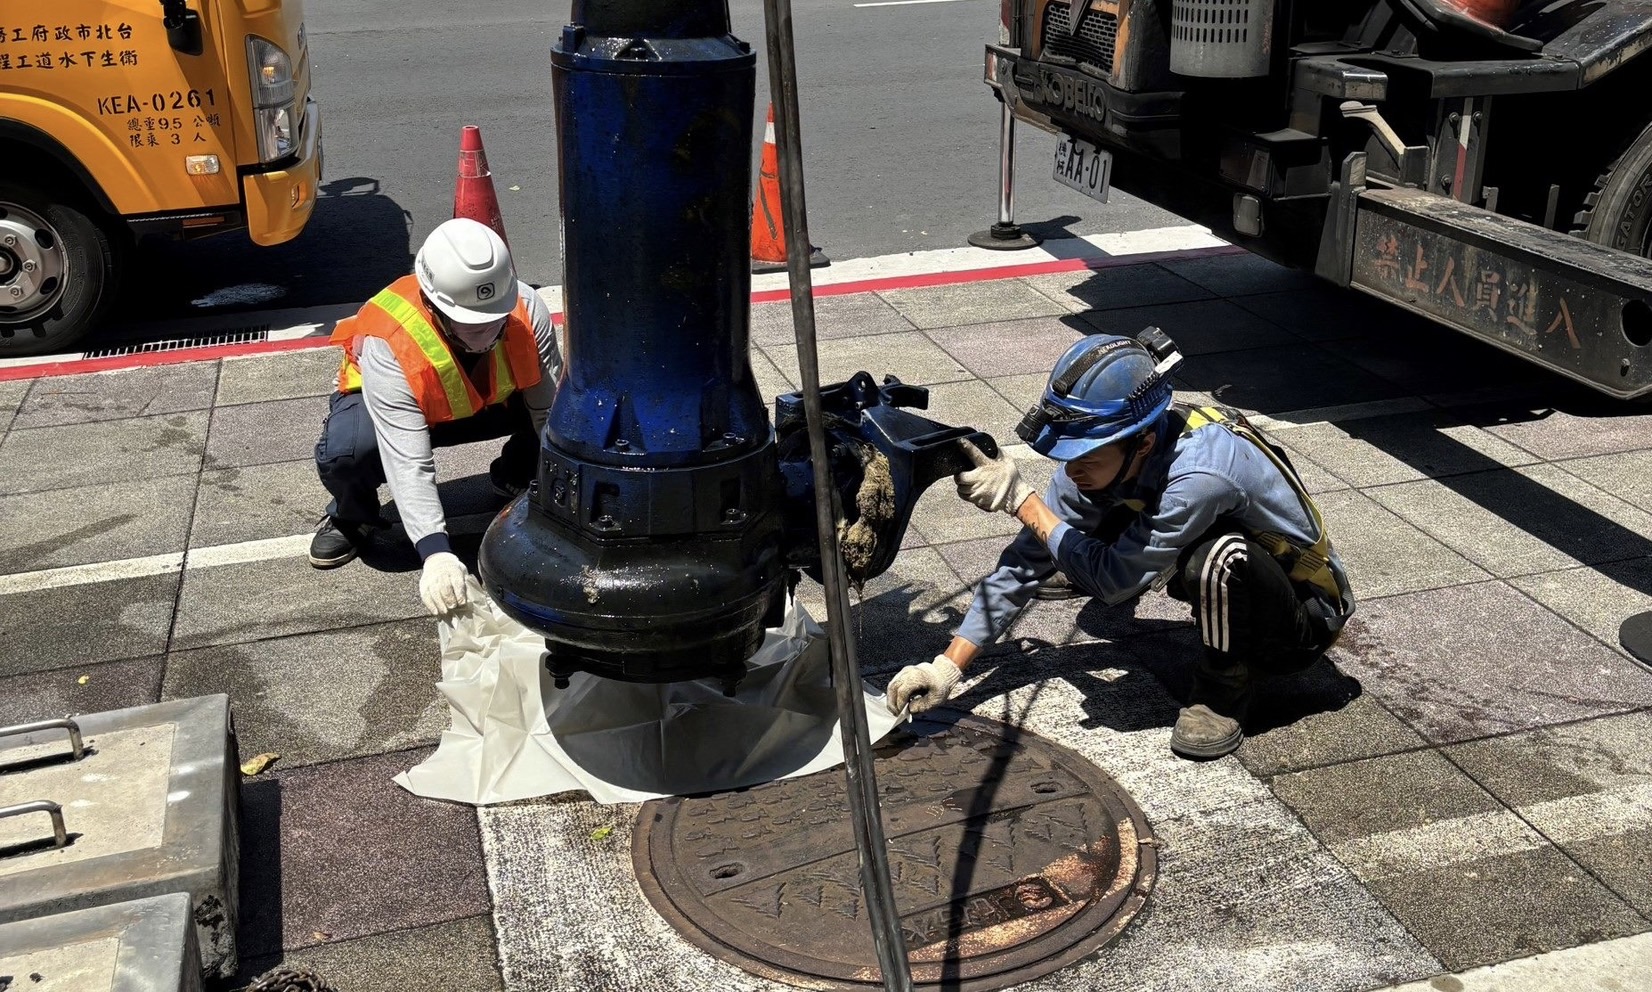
[
  {"x": 1209, "y": 727},
  {"x": 1057, "y": 586}
]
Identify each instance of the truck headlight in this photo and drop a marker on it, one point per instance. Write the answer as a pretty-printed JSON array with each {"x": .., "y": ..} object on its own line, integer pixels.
[{"x": 273, "y": 90}]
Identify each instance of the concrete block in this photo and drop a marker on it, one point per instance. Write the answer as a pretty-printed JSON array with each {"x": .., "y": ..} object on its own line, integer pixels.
[
  {"x": 1278, "y": 380},
  {"x": 1325, "y": 313},
  {"x": 462, "y": 953},
  {"x": 141, "y": 392},
  {"x": 1379, "y": 451},
  {"x": 293, "y": 598},
  {"x": 1238, "y": 275},
  {"x": 282, "y": 376},
  {"x": 150, "y": 809},
  {"x": 112, "y": 685},
  {"x": 256, "y": 502},
  {"x": 120, "y": 519},
  {"x": 11, "y": 396},
  {"x": 1594, "y": 426},
  {"x": 972, "y": 404},
  {"x": 261, "y": 433},
  {"x": 1200, "y": 327},
  {"x": 994, "y": 300},
  {"x": 81, "y": 624},
  {"x": 1385, "y": 555},
  {"x": 1116, "y": 286},
  {"x": 111, "y": 451},
  {"x": 912, "y": 358},
  {"x": 1011, "y": 347},
  {"x": 852, "y": 315},
  {"x": 1318, "y": 717},
  {"x": 1626, "y": 475},
  {"x": 1597, "y": 599},
  {"x": 145, "y": 945}
]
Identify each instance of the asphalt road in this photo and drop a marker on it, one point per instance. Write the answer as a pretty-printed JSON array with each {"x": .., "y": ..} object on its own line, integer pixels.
[{"x": 900, "y": 141}]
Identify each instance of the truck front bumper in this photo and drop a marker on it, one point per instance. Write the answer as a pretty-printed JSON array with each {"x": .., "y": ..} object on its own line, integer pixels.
[
  {"x": 1059, "y": 98},
  {"x": 279, "y": 203}
]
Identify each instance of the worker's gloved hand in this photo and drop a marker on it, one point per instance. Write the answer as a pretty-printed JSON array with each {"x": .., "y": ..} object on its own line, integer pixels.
[
  {"x": 924, "y": 686},
  {"x": 442, "y": 584},
  {"x": 994, "y": 483}
]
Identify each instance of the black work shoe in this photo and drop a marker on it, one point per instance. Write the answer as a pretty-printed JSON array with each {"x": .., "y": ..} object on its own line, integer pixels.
[
  {"x": 1203, "y": 733},
  {"x": 1057, "y": 586},
  {"x": 336, "y": 543},
  {"x": 507, "y": 484}
]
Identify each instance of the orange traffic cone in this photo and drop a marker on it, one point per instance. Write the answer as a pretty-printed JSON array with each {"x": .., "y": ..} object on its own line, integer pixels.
[
  {"x": 473, "y": 195},
  {"x": 768, "y": 236}
]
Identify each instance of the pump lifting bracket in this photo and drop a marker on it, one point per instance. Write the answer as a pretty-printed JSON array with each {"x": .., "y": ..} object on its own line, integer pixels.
[{"x": 1581, "y": 309}]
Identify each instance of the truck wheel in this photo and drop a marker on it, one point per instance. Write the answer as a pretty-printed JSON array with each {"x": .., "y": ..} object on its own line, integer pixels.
[
  {"x": 57, "y": 272},
  {"x": 1618, "y": 211}
]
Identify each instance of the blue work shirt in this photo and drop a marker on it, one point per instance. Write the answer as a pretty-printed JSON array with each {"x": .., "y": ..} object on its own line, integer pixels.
[{"x": 1187, "y": 484}]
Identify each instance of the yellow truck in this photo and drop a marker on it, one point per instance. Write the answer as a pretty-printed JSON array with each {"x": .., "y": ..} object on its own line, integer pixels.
[{"x": 121, "y": 119}]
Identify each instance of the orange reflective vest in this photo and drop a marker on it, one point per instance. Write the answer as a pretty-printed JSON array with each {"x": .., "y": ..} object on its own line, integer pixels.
[{"x": 399, "y": 316}]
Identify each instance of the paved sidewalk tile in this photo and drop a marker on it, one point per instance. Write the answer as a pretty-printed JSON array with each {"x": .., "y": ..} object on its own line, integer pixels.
[
  {"x": 912, "y": 358},
  {"x": 142, "y": 392},
  {"x": 941, "y": 517},
  {"x": 1239, "y": 275},
  {"x": 771, "y": 382},
  {"x": 456, "y": 957},
  {"x": 321, "y": 697},
  {"x": 973, "y": 404},
  {"x": 83, "y": 624},
  {"x": 1384, "y": 554},
  {"x": 110, "y": 685},
  {"x": 1626, "y": 475},
  {"x": 1201, "y": 327},
  {"x": 1597, "y": 599},
  {"x": 11, "y": 395},
  {"x": 1476, "y": 660},
  {"x": 1376, "y": 451},
  {"x": 1116, "y": 286},
  {"x": 1522, "y": 521},
  {"x": 906, "y": 614},
  {"x": 1473, "y": 882},
  {"x": 1609, "y": 966},
  {"x": 257, "y": 502},
  {"x": 1023, "y": 347},
  {"x": 1426, "y": 360},
  {"x": 1282, "y": 379},
  {"x": 95, "y": 523},
  {"x": 1599, "y": 427},
  {"x": 852, "y": 315},
  {"x": 284, "y": 376},
  {"x": 136, "y": 448},
  {"x": 1021, "y": 391},
  {"x": 994, "y": 300},
  {"x": 1321, "y": 716},
  {"x": 338, "y": 851},
  {"x": 1324, "y": 313},
  {"x": 1587, "y": 787},
  {"x": 232, "y": 604},
  {"x": 261, "y": 433}
]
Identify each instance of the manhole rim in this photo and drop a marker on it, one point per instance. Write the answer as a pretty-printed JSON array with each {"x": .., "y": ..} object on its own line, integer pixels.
[{"x": 1113, "y": 912}]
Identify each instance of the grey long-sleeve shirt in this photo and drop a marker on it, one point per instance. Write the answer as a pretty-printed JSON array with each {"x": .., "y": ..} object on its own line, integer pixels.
[{"x": 404, "y": 436}]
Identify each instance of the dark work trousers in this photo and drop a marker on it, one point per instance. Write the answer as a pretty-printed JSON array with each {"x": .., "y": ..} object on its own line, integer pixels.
[
  {"x": 347, "y": 455},
  {"x": 1247, "y": 609}
]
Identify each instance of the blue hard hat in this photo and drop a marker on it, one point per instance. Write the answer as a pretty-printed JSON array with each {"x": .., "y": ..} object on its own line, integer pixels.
[{"x": 1104, "y": 390}]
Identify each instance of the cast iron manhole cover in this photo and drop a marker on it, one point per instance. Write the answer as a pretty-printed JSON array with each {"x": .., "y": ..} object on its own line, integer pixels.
[{"x": 1011, "y": 857}]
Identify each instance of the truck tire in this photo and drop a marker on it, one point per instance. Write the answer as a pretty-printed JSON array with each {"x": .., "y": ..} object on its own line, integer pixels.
[
  {"x": 1618, "y": 211},
  {"x": 57, "y": 271}
]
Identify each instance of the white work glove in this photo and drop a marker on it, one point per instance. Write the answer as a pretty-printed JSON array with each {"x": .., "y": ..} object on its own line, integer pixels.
[
  {"x": 442, "y": 584},
  {"x": 994, "y": 483},
  {"x": 924, "y": 686}
]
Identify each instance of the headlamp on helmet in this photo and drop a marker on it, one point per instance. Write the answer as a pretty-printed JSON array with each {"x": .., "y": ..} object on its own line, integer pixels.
[{"x": 1111, "y": 418}]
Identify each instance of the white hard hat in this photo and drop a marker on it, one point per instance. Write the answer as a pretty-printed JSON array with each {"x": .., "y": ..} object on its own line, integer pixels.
[{"x": 466, "y": 271}]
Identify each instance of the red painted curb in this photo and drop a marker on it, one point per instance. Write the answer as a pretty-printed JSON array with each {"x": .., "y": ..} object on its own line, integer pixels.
[{"x": 81, "y": 366}]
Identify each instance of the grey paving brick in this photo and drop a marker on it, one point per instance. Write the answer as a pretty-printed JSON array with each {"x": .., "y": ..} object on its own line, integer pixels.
[
  {"x": 941, "y": 517},
  {"x": 262, "y": 433},
  {"x": 461, "y": 953},
  {"x": 995, "y": 301},
  {"x": 110, "y": 685},
  {"x": 257, "y": 502},
  {"x": 1363, "y": 799},
  {"x": 1115, "y": 286},
  {"x": 1281, "y": 379},
  {"x": 81, "y": 624},
  {"x": 94, "y": 523},
  {"x": 1433, "y": 361},
  {"x": 1585, "y": 786},
  {"x": 1023, "y": 347},
  {"x": 1314, "y": 475},
  {"x": 770, "y": 381},
  {"x": 1201, "y": 327},
  {"x": 852, "y": 315},
  {"x": 1318, "y": 717},
  {"x": 906, "y": 614},
  {"x": 1376, "y": 451},
  {"x": 1476, "y": 660},
  {"x": 973, "y": 404},
  {"x": 1325, "y": 313},
  {"x": 1522, "y": 521},
  {"x": 912, "y": 358},
  {"x": 324, "y": 696},
  {"x": 142, "y": 392},
  {"x": 1597, "y": 599},
  {"x": 11, "y": 396},
  {"x": 1384, "y": 554},
  {"x": 337, "y": 851},
  {"x": 87, "y": 454},
  {"x": 1625, "y": 474},
  {"x": 1238, "y": 275},
  {"x": 232, "y": 604},
  {"x": 1594, "y": 427},
  {"x": 282, "y": 376},
  {"x": 1021, "y": 391}
]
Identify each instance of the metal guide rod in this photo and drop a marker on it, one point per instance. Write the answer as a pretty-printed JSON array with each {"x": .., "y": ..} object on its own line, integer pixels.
[
  {"x": 1006, "y": 165},
  {"x": 857, "y": 744}
]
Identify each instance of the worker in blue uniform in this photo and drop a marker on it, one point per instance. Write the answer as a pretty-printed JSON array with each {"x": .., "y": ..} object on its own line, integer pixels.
[{"x": 1155, "y": 495}]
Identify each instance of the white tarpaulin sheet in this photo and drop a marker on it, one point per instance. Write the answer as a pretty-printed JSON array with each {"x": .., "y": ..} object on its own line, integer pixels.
[{"x": 516, "y": 736}]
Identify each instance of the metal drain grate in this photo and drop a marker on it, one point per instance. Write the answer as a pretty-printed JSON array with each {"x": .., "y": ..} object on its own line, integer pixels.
[
  {"x": 251, "y": 334},
  {"x": 1091, "y": 46}
]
